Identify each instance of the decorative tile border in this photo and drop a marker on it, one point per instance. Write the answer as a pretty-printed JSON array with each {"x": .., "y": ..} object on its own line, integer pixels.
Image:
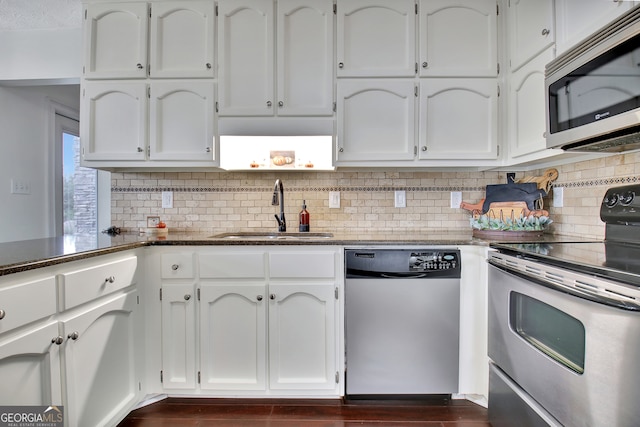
[
  {"x": 599, "y": 182},
  {"x": 269, "y": 189}
]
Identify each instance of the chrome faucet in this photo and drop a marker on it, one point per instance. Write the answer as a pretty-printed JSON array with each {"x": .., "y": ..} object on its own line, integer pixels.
[{"x": 278, "y": 198}]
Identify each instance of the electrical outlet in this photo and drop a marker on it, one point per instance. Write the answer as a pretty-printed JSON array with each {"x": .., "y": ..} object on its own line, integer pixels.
[
  {"x": 334, "y": 199},
  {"x": 558, "y": 197},
  {"x": 400, "y": 199},
  {"x": 456, "y": 199},
  {"x": 167, "y": 199},
  {"x": 20, "y": 187}
]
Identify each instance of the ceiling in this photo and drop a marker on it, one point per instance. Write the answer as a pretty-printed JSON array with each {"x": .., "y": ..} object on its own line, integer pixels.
[{"x": 40, "y": 14}]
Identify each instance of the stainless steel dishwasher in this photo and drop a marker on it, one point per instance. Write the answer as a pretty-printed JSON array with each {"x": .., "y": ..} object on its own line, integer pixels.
[{"x": 402, "y": 321}]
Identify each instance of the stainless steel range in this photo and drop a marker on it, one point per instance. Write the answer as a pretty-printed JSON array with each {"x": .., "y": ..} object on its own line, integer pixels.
[{"x": 564, "y": 326}]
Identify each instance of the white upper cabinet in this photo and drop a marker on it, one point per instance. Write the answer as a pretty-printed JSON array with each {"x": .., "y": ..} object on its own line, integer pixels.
[
  {"x": 526, "y": 112},
  {"x": 114, "y": 120},
  {"x": 246, "y": 57},
  {"x": 458, "y": 119},
  {"x": 458, "y": 39},
  {"x": 578, "y": 19},
  {"x": 531, "y": 30},
  {"x": 376, "y": 38},
  {"x": 247, "y": 54},
  {"x": 376, "y": 119},
  {"x": 182, "y": 39},
  {"x": 115, "y": 36},
  {"x": 305, "y": 57},
  {"x": 182, "y": 120}
]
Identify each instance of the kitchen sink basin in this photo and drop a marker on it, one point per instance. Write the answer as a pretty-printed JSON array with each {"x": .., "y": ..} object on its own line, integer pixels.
[{"x": 249, "y": 235}]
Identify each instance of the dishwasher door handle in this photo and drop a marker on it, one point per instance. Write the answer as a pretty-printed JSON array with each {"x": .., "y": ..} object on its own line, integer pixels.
[{"x": 403, "y": 276}]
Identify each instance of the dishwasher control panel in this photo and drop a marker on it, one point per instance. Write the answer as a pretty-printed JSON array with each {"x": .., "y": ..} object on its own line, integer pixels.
[
  {"x": 433, "y": 260},
  {"x": 399, "y": 263}
]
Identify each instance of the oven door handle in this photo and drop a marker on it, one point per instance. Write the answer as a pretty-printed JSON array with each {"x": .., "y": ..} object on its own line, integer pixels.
[{"x": 620, "y": 303}]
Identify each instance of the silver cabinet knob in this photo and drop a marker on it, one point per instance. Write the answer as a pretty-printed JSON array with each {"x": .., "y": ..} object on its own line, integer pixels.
[
  {"x": 73, "y": 335},
  {"x": 187, "y": 297},
  {"x": 2, "y": 314},
  {"x": 57, "y": 340},
  {"x": 174, "y": 267},
  {"x": 208, "y": 65},
  {"x": 110, "y": 279},
  {"x": 140, "y": 150},
  {"x": 341, "y": 150},
  {"x": 341, "y": 65},
  {"x": 269, "y": 104},
  {"x": 280, "y": 104},
  {"x": 425, "y": 64},
  {"x": 259, "y": 297},
  {"x": 208, "y": 149},
  {"x": 272, "y": 296},
  {"x": 424, "y": 148},
  {"x": 545, "y": 32},
  {"x": 140, "y": 67}
]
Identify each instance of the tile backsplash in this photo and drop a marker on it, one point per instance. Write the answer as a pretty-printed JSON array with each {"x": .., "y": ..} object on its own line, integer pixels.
[{"x": 212, "y": 202}]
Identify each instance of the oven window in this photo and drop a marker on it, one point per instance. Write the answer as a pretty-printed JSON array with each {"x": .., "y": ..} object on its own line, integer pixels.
[{"x": 548, "y": 329}]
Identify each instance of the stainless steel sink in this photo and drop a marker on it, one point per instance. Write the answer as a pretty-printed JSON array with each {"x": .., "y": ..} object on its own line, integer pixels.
[{"x": 260, "y": 235}]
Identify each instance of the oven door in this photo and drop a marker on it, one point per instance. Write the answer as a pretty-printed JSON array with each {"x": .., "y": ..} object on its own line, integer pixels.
[{"x": 577, "y": 358}]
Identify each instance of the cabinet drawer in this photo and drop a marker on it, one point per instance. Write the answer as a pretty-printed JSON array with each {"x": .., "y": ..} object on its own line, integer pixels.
[
  {"x": 26, "y": 302},
  {"x": 247, "y": 265},
  {"x": 177, "y": 266},
  {"x": 302, "y": 264},
  {"x": 90, "y": 283}
]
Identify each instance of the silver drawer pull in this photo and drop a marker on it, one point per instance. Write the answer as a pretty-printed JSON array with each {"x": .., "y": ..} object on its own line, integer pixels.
[
  {"x": 110, "y": 279},
  {"x": 57, "y": 340},
  {"x": 174, "y": 267},
  {"x": 73, "y": 335},
  {"x": 2, "y": 314}
]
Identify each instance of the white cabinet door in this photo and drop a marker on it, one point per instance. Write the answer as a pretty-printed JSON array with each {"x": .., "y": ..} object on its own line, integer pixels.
[
  {"x": 246, "y": 57},
  {"x": 458, "y": 119},
  {"x": 178, "y": 336},
  {"x": 233, "y": 330},
  {"x": 115, "y": 37},
  {"x": 526, "y": 112},
  {"x": 302, "y": 336},
  {"x": 100, "y": 377},
  {"x": 182, "y": 39},
  {"x": 30, "y": 367},
  {"x": 114, "y": 120},
  {"x": 531, "y": 30},
  {"x": 458, "y": 38},
  {"x": 376, "y": 38},
  {"x": 182, "y": 119},
  {"x": 305, "y": 57},
  {"x": 578, "y": 19},
  {"x": 376, "y": 119}
]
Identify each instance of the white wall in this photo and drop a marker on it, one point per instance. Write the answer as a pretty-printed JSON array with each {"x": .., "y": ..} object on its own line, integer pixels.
[
  {"x": 41, "y": 56},
  {"x": 25, "y": 140}
]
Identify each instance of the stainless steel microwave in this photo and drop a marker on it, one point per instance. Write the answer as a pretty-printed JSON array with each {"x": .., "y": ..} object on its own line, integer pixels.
[{"x": 593, "y": 91}]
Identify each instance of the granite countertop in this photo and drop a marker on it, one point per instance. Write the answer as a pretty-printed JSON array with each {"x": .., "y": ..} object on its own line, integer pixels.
[{"x": 31, "y": 254}]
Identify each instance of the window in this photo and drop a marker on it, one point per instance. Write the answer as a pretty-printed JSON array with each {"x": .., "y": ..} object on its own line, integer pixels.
[{"x": 82, "y": 196}]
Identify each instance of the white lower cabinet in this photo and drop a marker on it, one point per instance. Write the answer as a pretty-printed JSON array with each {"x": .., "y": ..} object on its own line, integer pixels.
[
  {"x": 267, "y": 323},
  {"x": 233, "y": 331},
  {"x": 30, "y": 367},
  {"x": 302, "y": 343},
  {"x": 178, "y": 336},
  {"x": 99, "y": 362},
  {"x": 68, "y": 337}
]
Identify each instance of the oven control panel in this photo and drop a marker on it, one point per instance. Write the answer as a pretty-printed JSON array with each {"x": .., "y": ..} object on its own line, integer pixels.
[{"x": 621, "y": 205}]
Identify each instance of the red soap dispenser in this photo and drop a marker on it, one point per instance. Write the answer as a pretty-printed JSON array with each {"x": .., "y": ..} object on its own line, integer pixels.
[{"x": 304, "y": 217}]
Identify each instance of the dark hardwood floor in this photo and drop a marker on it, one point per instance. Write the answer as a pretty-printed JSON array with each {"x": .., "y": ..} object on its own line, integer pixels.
[{"x": 204, "y": 412}]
